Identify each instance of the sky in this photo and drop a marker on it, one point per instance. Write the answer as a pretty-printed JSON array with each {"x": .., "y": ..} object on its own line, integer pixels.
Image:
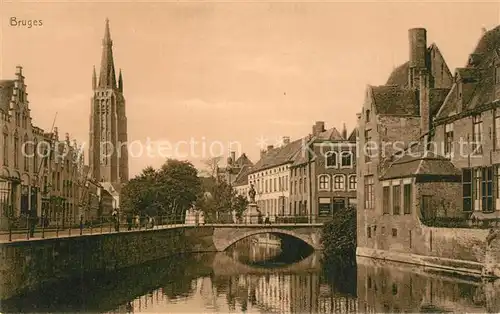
[{"x": 226, "y": 75}]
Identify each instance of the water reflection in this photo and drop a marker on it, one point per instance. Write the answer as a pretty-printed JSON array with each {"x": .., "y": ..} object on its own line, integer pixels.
[{"x": 254, "y": 278}]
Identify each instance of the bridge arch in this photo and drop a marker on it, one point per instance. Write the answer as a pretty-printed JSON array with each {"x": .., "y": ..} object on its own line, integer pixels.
[{"x": 224, "y": 238}]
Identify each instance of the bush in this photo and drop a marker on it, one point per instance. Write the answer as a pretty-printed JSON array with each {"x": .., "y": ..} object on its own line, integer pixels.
[{"x": 339, "y": 237}]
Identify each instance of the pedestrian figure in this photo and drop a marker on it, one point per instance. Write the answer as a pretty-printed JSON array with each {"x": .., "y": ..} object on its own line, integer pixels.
[
  {"x": 137, "y": 221},
  {"x": 129, "y": 221},
  {"x": 32, "y": 223},
  {"x": 116, "y": 220}
]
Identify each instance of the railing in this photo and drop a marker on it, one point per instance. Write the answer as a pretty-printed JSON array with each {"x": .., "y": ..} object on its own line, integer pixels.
[{"x": 29, "y": 228}]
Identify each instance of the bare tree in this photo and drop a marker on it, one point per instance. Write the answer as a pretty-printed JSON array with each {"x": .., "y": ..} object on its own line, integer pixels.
[{"x": 212, "y": 166}]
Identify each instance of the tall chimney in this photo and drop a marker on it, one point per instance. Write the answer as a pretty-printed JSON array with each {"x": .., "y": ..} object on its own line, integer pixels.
[
  {"x": 262, "y": 153},
  {"x": 318, "y": 127},
  {"x": 424, "y": 101},
  {"x": 344, "y": 132},
  {"x": 418, "y": 54},
  {"x": 286, "y": 140},
  {"x": 233, "y": 156}
]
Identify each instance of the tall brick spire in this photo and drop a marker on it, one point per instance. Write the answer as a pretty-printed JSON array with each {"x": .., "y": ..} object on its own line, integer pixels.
[{"x": 107, "y": 78}]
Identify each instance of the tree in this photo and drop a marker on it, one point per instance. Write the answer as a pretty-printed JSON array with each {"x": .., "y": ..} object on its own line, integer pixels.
[
  {"x": 170, "y": 190},
  {"x": 240, "y": 203},
  {"x": 212, "y": 166},
  {"x": 339, "y": 237}
]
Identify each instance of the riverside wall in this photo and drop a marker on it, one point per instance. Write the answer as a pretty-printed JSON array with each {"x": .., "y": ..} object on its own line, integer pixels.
[{"x": 27, "y": 265}]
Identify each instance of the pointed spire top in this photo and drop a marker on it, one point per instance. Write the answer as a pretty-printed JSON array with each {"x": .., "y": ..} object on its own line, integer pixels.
[
  {"x": 107, "y": 74},
  {"x": 94, "y": 79}
]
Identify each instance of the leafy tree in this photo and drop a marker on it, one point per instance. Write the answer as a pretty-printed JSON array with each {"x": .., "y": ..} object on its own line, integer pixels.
[
  {"x": 240, "y": 203},
  {"x": 339, "y": 237},
  {"x": 170, "y": 190}
]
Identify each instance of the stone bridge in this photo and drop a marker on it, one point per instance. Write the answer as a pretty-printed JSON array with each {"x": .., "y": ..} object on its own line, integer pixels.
[{"x": 225, "y": 235}]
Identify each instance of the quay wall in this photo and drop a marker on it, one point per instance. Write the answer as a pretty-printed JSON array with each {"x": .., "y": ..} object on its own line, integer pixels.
[{"x": 26, "y": 265}]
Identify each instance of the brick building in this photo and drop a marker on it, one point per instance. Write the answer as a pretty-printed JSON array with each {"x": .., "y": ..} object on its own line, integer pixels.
[
  {"x": 271, "y": 178},
  {"x": 427, "y": 153},
  {"x": 323, "y": 174},
  {"x": 40, "y": 173},
  {"x": 234, "y": 168}
]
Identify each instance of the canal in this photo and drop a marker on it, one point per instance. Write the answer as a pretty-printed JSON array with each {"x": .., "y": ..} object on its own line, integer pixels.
[{"x": 258, "y": 276}]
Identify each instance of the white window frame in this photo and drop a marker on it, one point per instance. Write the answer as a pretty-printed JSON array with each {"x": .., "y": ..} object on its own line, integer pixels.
[
  {"x": 342, "y": 182},
  {"x": 328, "y": 182},
  {"x": 332, "y": 152},
  {"x": 355, "y": 182},
  {"x": 346, "y": 152}
]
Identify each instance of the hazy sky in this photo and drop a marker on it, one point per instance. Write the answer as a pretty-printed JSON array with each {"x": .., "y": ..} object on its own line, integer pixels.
[{"x": 226, "y": 71}]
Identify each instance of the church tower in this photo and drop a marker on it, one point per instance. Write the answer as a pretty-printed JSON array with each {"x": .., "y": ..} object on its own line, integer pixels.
[{"x": 108, "y": 149}]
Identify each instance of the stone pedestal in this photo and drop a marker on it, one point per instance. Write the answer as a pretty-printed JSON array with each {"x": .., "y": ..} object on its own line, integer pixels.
[{"x": 251, "y": 214}]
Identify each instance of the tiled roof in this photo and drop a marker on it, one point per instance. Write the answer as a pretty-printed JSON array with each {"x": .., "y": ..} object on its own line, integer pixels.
[
  {"x": 478, "y": 74},
  {"x": 6, "y": 90},
  {"x": 395, "y": 100},
  {"x": 279, "y": 156},
  {"x": 243, "y": 160},
  {"x": 420, "y": 164},
  {"x": 399, "y": 75},
  {"x": 242, "y": 178}
]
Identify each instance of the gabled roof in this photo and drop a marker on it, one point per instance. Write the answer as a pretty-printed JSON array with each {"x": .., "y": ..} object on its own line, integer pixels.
[
  {"x": 6, "y": 91},
  {"x": 399, "y": 75},
  {"x": 243, "y": 160},
  {"x": 395, "y": 100},
  {"x": 478, "y": 79},
  {"x": 242, "y": 178},
  {"x": 279, "y": 156}
]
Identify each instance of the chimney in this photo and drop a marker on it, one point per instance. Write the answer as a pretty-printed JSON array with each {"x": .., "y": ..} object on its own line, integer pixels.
[
  {"x": 286, "y": 140},
  {"x": 318, "y": 127},
  {"x": 418, "y": 54},
  {"x": 262, "y": 153},
  {"x": 425, "y": 114},
  {"x": 344, "y": 132},
  {"x": 269, "y": 147},
  {"x": 233, "y": 156}
]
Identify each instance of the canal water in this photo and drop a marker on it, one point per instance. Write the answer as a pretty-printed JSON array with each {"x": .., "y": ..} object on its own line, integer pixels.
[{"x": 257, "y": 276}]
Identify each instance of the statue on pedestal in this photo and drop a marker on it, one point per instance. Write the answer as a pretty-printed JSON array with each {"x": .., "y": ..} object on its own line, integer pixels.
[{"x": 251, "y": 194}]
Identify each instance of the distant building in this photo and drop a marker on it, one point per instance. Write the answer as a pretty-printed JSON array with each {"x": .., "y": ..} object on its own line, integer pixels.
[
  {"x": 323, "y": 175},
  {"x": 234, "y": 168}
]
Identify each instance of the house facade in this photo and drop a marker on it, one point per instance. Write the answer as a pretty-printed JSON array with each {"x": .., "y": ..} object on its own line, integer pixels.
[
  {"x": 420, "y": 182},
  {"x": 40, "y": 173},
  {"x": 323, "y": 175}
]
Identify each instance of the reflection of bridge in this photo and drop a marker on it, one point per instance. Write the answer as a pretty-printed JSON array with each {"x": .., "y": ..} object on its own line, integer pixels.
[
  {"x": 225, "y": 265},
  {"x": 225, "y": 235}
]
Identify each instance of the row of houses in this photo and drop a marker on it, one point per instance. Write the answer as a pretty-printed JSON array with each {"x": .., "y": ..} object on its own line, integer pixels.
[
  {"x": 41, "y": 174},
  {"x": 311, "y": 176}
]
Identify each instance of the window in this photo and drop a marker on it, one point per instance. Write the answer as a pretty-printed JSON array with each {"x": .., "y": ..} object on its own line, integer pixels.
[
  {"x": 496, "y": 130},
  {"x": 331, "y": 159},
  {"x": 16, "y": 152},
  {"x": 35, "y": 156},
  {"x": 467, "y": 189},
  {"x": 338, "y": 204},
  {"x": 346, "y": 159},
  {"x": 497, "y": 187},
  {"x": 339, "y": 182},
  {"x": 407, "y": 198},
  {"x": 26, "y": 152},
  {"x": 5, "y": 144},
  {"x": 487, "y": 189},
  {"x": 369, "y": 195},
  {"x": 353, "y": 182},
  {"x": 367, "y": 116},
  {"x": 300, "y": 186},
  {"x": 476, "y": 189},
  {"x": 477, "y": 135},
  {"x": 396, "y": 199},
  {"x": 497, "y": 75},
  {"x": 324, "y": 182},
  {"x": 448, "y": 139},
  {"x": 368, "y": 232},
  {"x": 275, "y": 185},
  {"x": 394, "y": 232},
  {"x": 305, "y": 185},
  {"x": 265, "y": 190},
  {"x": 386, "y": 197},
  {"x": 367, "y": 149},
  {"x": 427, "y": 210}
]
